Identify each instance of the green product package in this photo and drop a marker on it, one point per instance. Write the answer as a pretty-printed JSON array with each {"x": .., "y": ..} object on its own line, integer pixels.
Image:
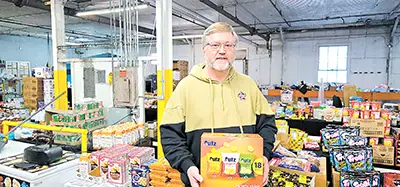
[
  {"x": 245, "y": 165},
  {"x": 55, "y": 118},
  {"x": 77, "y": 106}
]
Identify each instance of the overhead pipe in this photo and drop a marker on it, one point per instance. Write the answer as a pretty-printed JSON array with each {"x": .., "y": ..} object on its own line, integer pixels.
[
  {"x": 49, "y": 28},
  {"x": 389, "y": 55},
  {"x": 327, "y": 18},
  {"x": 280, "y": 13},
  {"x": 252, "y": 30},
  {"x": 394, "y": 9},
  {"x": 181, "y": 17},
  {"x": 207, "y": 21},
  {"x": 327, "y": 27},
  {"x": 71, "y": 12}
]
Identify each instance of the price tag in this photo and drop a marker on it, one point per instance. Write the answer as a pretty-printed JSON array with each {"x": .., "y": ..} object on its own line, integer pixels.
[
  {"x": 289, "y": 184},
  {"x": 303, "y": 179}
]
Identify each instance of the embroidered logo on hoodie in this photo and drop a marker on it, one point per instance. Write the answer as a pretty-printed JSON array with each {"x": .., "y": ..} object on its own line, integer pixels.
[{"x": 242, "y": 96}]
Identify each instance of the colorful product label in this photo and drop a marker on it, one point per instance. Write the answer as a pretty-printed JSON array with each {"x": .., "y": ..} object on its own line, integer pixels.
[{"x": 245, "y": 169}]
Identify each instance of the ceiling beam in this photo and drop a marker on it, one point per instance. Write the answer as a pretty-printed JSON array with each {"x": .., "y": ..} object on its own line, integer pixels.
[
  {"x": 395, "y": 9},
  {"x": 326, "y": 18},
  {"x": 179, "y": 16},
  {"x": 76, "y": 33},
  {"x": 280, "y": 13},
  {"x": 252, "y": 30},
  {"x": 71, "y": 12}
]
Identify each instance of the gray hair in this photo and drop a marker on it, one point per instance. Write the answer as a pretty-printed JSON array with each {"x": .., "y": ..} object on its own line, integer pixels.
[{"x": 218, "y": 27}]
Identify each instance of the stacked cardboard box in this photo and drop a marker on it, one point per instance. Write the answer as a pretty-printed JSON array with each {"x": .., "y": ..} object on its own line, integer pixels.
[
  {"x": 48, "y": 92},
  {"x": 396, "y": 135},
  {"x": 32, "y": 91},
  {"x": 180, "y": 70}
]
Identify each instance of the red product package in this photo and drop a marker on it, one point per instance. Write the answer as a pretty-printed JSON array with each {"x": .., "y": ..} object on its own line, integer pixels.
[
  {"x": 375, "y": 106},
  {"x": 355, "y": 105},
  {"x": 391, "y": 179},
  {"x": 365, "y": 114},
  {"x": 230, "y": 164},
  {"x": 355, "y": 114},
  {"x": 376, "y": 115},
  {"x": 365, "y": 106},
  {"x": 385, "y": 114}
]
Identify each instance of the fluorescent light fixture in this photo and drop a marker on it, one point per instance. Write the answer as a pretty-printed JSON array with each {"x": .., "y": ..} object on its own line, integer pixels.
[
  {"x": 109, "y": 11},
  {"x": 186, "y": 36}
]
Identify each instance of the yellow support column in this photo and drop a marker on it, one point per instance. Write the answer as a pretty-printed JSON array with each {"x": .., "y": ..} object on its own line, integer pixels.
[
  {"x": 164, "y": 57},
  {"x": 60, "y": 85},
  {"x": 58, "y": 39},
  {"x": 162, "y": 103}
]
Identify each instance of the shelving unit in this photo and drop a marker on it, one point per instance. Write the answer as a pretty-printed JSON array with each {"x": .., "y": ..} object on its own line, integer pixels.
[{"x": 370, "y": 96}]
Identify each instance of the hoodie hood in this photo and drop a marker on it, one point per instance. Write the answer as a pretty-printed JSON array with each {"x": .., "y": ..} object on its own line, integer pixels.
[{"x": 197, "y": 72}]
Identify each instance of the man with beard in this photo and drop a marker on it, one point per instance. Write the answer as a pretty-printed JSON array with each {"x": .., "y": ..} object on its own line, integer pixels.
[{"x": 214, "y": 98}]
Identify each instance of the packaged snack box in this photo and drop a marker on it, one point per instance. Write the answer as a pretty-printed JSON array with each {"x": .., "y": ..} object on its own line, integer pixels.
[
  {"x": 84, "y": 165},
  {"x": 104, "y": 162},
  {"x": 95, "y": 160},
  {"x": 140, "y": 177},
  {"x": 118, "y": 172},
  {"x": 141, "y": 156},
  {"x": 231, "y": 159}
]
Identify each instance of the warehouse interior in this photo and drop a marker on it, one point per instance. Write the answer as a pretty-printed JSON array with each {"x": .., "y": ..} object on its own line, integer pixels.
[
  {"x": 121, "y": 60},
  {"x": 365, "y": 26}
]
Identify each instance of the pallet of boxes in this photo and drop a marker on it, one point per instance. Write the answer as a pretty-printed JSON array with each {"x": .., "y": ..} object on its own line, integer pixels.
[
  {"x": 32, "y": 91},
  {"x": 88, "y": 116},
  {"x": 180, "y": 70}
]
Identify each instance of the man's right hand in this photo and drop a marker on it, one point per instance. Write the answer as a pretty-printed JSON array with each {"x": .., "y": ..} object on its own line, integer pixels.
[{"x": 194, "y": 176}]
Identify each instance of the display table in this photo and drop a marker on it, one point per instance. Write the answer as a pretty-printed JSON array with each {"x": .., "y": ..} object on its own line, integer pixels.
[
  {"x": 310, "y": 126},
  {"x": 55, "y": 174},
  {"x": 12, "y": 148}
]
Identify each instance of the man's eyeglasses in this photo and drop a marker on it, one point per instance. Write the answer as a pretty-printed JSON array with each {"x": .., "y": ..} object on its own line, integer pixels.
[{"x": 217, "y": 46}]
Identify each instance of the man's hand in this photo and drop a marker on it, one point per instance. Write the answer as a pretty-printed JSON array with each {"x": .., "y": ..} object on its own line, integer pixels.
[
  {"x": 194, "y": 176},
  {"x": 266, "y": 171}
]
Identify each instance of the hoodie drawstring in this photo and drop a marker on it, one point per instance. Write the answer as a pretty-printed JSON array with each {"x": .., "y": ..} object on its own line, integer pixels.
[{"x": 212, "y": 105}]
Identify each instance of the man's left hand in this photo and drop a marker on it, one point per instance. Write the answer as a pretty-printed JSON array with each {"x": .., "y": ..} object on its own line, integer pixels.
[{"x": 266, "y": 171}]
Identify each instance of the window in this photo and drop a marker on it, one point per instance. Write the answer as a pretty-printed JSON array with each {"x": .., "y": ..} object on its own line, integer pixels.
[{"x": 333, "y": 64}]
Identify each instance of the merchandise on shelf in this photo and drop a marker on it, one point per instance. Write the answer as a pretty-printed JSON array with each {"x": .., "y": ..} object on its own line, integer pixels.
[
  {"x": 32, "y": 91},
  {"x": 346, "y": 158},
  {"x": 48, "y": 92},
  {"x": 118, "y": 165},
  {"x": 297, "y": 139},
  {"x": 355, "y": 179},
  {"x": 391, "y": 179},
  {"x": 125, "y": 133},
  {"x": 83, "y": 119},
  {"x": 91, "y": 105},
  {"x": 161, "y": 174},
  {"x": 337, "y": 135},
  {"x": 42, "y": 72},
  {"x": 227, "y": 159},
  {"x": 285, "y": 178}
]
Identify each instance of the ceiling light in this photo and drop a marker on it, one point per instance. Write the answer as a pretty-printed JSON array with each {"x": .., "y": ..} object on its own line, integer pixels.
[
  {"x": 109, "y": 11},
  {"x": 186, "y": 36}
]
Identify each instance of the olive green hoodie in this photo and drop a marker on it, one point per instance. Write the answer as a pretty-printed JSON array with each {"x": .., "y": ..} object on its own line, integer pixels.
[{"x": 200, "y": 104}]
